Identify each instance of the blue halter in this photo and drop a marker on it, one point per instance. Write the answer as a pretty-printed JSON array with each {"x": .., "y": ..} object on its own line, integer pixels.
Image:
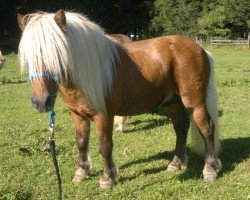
[
  {"x": 55, "y": 79},
  {"x": 37, "y": 75}
]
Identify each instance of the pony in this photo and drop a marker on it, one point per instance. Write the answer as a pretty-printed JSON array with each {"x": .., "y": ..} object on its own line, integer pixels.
[
  {"x": 99, "y": 78},
  {"x": 2, "y": 60}
]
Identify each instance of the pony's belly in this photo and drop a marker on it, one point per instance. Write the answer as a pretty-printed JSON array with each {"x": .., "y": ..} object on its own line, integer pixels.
[
  {"x": 134, "y": 110},
  {"x": 141, "y": 104}
]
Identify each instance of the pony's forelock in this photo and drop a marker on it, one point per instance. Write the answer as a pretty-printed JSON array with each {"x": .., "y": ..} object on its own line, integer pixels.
[{"x": 83, "y": 54}]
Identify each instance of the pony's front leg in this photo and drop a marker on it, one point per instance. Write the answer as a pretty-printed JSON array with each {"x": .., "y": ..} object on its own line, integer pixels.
[
  {"x": 82, "y": 126},
  {"x": 104, "y": 127}
]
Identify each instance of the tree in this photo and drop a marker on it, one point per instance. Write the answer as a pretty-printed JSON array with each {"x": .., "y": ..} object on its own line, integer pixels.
[
  {"x": 130, "y": 16},
  {"x": 9, "y": 31},
  {"x": 212, "y": 23},
  {"x": 175, "y": 17},
  {"x": 237, "y": 16},
  {"x": 8, "y": 24}
]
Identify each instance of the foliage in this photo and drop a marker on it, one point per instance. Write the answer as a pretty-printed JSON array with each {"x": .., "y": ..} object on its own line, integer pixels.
[
  {"x": 145, "y": 18},
  {"x": 237, "y": 15},
  {"x": 120, "y": 16},
  {"x": 212, "y": 23},
  {"x": 175, "y": 17},
  {"x": 218, "y": 18},
  {"x": 114, "y": 16},
  {"x": 141, "y": 153}
]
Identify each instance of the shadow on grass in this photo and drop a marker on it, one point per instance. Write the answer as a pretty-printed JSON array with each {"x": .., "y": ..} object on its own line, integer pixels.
[
  {"x": 145, "y": 172},
  {"x": 159, "y": 156},
  {"x": 10, "y": 82},
  {"x": 150, "y": 124},
  {"x": 19, "y": 193},
  {"x": 233, "y": 152},
  {"x": 220, "y": 113}
]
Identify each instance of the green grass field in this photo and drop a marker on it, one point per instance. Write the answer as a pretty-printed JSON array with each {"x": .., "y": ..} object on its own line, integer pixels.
[{"x": 141, "y": 153}]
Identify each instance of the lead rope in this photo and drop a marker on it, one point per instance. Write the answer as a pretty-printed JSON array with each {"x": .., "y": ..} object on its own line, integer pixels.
[
  {"x": 53, "y": 152},
  {"x": 51, "y": 128}
]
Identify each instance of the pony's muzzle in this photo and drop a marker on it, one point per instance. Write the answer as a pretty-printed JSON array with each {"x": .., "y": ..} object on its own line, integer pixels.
[{"x": 44, "y": 104}]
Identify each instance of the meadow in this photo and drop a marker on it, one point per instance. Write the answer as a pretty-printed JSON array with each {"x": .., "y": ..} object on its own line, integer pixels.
[{"x": 142, "y": 152}]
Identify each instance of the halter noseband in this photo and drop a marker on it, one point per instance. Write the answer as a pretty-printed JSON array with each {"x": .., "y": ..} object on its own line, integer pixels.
[
  {"x": 37, "y": 75},
  {"x": 48, "y": 76}
]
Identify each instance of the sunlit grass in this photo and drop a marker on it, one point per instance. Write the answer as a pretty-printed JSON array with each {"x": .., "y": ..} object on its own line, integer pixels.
[{"x": 141, "y": 152}]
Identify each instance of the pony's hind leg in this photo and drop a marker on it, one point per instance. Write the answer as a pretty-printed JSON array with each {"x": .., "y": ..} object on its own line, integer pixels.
[
  {"x": 195, "y": 82},
  {"x": 206, "y": 128},
  {"x": 82, "y": 126},
  {"x": 178, "y": 116},
  {"x": 104, "y": 127}
]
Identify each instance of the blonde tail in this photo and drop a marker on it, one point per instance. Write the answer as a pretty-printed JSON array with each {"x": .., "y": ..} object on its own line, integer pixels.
[{"x": 198, "y": 145}]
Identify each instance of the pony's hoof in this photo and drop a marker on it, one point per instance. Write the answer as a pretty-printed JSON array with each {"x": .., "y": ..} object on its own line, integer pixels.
[
  {"x": 211, "y": 174},
  {"x": 80, "y": 175},
  {"x": 106, "y": 182},
  {"x": 172, "y": 167},
  {"x": 176, "y": 164}
]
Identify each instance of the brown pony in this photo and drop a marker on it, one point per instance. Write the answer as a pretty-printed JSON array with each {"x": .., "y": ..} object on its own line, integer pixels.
[{"x": 99, "y": 78}]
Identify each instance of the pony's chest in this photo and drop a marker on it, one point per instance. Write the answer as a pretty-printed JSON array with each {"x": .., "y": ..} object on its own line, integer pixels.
[{"x": 76, "y": 102}]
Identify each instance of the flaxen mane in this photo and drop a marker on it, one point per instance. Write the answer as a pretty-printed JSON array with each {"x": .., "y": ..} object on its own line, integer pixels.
[{"x": 81, "y": 51}]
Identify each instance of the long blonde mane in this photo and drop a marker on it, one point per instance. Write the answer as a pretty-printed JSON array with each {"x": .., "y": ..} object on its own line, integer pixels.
[{"x": 82, "y": 54}]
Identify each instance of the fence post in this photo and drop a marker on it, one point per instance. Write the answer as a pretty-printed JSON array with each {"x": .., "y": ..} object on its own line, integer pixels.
[{"x": 248, "y": 39}]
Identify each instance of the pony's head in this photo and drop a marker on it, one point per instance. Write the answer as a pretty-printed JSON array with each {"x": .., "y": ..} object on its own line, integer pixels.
[
  {"x": 73, "y": 49},
  {"x": 43, "y": 79},
  {"x": 44, "y": 91}
]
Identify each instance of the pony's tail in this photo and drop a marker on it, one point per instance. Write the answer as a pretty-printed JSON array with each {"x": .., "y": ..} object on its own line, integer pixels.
[{"x": 197, "y": 144}]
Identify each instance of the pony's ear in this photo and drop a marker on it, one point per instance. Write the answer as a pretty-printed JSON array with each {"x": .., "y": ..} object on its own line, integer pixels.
[
  {"x": 22, "y": 20},
  {"x": 60, "y": 18}
]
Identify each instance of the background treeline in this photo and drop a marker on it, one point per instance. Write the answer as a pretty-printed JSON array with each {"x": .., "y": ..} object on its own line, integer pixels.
[{"x": 146, "y": 18}]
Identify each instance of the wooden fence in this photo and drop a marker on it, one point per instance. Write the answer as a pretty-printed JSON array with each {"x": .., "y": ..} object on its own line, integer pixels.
[{"x": 231, "y": 42}]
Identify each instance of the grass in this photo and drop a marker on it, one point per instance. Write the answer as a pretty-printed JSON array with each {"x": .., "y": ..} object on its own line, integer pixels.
[{"x": 141, "y": 153}]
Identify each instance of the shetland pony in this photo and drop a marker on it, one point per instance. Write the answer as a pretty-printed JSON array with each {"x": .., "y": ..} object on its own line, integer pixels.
[
  {"x": 2, "y": 60},
  {"x": 99, "y": 77}
]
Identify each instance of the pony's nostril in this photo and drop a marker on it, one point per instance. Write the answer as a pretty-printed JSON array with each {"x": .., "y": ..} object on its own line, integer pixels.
[
  {"x": 44, "y": 103},
  {"x": 34, "y": 102}
]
